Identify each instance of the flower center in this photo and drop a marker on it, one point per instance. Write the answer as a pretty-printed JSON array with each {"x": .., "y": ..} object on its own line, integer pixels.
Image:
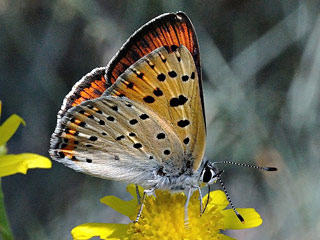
[{"x": 163, "y": 218}]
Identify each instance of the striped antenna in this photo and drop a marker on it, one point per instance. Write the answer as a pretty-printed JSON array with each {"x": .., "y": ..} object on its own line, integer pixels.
[
  {"x": 229, "y": 200},
  {"x": 270, "y": 169}
]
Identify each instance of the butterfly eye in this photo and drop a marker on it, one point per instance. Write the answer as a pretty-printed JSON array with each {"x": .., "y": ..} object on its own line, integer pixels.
[{"x": 209, "y": 174}]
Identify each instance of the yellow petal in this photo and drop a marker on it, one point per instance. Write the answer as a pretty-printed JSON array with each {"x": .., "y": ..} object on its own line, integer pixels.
[
  {"x": 3, "y": 150},
  {"x": 102, "y": 230},
  {"x": 217, "y": 199},
  {"x": 9, "y": 127},
  {"x": 127, "y": 208},
  {"x": 131, "y": 188},
  {"x": 20, "y": 163},
  {"x": 251, "y": 218}
]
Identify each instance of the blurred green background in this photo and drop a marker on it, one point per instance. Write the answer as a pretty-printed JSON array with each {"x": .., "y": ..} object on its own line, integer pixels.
[{"x": 262, "y": 94}]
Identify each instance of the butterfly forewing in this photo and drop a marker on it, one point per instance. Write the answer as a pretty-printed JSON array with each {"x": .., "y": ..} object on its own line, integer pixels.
[
  {"x": 166, "y": 82},
  {"x": 115, "y": 138}
]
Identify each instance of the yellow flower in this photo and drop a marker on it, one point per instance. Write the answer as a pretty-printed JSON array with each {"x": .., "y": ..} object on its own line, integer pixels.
[
  {"x": 17, "y": 163},
  {"x": 163, "y": 218}
]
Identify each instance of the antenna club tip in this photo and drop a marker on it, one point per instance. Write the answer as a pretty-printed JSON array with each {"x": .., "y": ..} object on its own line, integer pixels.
[
  {"x": 270, "y": 169},
  {"x": 240, "y": 218}
]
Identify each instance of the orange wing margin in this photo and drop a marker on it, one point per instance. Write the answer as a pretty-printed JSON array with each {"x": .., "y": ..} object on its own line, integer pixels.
[{"x": 170, "y": 29}]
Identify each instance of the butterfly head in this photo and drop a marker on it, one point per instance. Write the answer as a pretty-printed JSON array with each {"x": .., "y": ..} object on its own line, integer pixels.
[{"x": 209, "y": 173}]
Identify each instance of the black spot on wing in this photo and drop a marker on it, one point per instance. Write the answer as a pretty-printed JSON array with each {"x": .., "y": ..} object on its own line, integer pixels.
[
  {"x": 132, "y": 134},
  {"x": 140, "y": 75},
  {"x": 120, "y": 137},
  {"x": 172, "y": 74},
  {"x": 161, "y": 77},
  {"x": 185, "y": 78},
  {"x": 174, "y": 48},
  {"x": 114, "y": 108},
  {"x": 157, "y": 92},
  {"x": 161, "y": 135},
  {"x": 166, "y": 152},
  {"x": 137, "y": 145},
  {"x": 148, "y": 99},
  {"x": 144, "y": 116},
  {"x": 133, "y": 121},
  {"x": 193, "y": 75},
  {"x": 183, "y": 123},
  {"x": 175, "y": 102},
  {"x": 93, "y": 138},
  {"x": 110, "y": 118},
  {"x": 82, "y": 124},
  {"x": 130, "y": 85}
]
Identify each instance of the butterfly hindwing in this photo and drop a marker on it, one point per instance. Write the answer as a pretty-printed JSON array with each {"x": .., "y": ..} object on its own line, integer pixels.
[
  {"x": 91, "y": 86},
  {"x": 115, "y": 138},
  {"x": 167, "y": 83}
]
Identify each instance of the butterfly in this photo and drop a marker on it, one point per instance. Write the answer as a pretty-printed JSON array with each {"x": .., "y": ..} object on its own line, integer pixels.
[{"x": 141, "y": 118}]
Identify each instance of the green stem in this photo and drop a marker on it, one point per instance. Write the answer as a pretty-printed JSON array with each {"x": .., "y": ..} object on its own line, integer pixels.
[{"x": 5, "y": 230}]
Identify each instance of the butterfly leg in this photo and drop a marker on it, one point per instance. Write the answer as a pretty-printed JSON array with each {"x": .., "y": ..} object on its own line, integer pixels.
[
  {"x": 145, "y": 193},
  {"x": 200, "y": 199},
  {"x": 138, "y": 194},
  {"x": 186, "y": 217}
]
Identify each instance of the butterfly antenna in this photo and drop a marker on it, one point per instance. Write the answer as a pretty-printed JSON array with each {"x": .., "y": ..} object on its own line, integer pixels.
[
  {"x": 207, "y": 202},
  {"x": 229, "y": 199},
  {"x": 270, "y": 169}
]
